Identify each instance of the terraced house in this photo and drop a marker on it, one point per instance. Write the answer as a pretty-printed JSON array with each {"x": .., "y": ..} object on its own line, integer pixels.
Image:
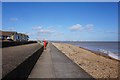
[{"x": 13, "y": 36}]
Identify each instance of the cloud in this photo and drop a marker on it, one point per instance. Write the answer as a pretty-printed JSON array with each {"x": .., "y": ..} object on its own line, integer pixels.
[
  {"x": 13, "y": 19},
  {"x": 76, "y": 27},
  {"x": 89, "y": 27},
  {"x": 30, "y": 33},
  {"x": 113, "y": 32},
  {"x": 37, "y": 28},
  {"x": 11, "y": 29},
  {"x": 59, "y": 34},
  {"x": 45, "y": 31}
]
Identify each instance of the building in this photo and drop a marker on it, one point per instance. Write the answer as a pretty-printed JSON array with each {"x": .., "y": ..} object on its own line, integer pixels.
[
  {"x": 13, "y": 36},
  {"x": 22, "y": 37}
]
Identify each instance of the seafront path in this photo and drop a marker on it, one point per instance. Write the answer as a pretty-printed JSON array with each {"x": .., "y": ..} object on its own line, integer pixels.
[{"x": 54, "y": 64}]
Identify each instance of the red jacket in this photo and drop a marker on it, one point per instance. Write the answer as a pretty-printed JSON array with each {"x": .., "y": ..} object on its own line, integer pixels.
[{"x": 45, "y": 42}]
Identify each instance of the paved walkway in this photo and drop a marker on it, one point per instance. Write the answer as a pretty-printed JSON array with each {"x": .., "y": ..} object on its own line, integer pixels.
[{"x": 54, "y": 64}]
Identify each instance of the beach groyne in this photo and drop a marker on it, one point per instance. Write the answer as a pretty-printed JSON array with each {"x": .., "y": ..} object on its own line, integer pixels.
[
  {"x": 14, "y": 43},
  {"x": 22, "y": 70}
]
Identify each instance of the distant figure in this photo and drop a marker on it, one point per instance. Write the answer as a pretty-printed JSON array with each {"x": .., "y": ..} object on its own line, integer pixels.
[{"x": 45, "y": 44}]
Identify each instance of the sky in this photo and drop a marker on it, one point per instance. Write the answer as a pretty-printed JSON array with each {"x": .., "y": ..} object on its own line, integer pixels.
[{"x": 61, "y": 21}]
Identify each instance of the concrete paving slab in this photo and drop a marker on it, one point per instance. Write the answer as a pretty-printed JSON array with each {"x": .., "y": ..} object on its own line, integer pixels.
[{"x": 54, "y": 64}]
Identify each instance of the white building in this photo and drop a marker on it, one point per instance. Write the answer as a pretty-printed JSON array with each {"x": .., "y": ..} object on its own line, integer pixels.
[{"x": 13, "y": 36}]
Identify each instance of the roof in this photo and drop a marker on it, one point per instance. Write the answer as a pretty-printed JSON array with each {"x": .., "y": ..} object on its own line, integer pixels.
[
  {"x": 7, "y": 33},
  {"x": 22, "y": 34}
]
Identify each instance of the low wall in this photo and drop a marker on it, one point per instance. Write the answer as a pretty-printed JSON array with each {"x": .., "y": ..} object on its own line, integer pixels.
[
  {"x": 22, "y": 71},
  {"x": 15, "y": 43}
]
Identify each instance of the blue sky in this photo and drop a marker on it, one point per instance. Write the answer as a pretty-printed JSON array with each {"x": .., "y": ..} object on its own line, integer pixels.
[{"x": 82, "y": 21}]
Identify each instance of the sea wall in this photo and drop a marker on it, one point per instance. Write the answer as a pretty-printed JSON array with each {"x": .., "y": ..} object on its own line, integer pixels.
[
  {"x": 22, "y": 71},
  {"x": 14, "y": 43}
]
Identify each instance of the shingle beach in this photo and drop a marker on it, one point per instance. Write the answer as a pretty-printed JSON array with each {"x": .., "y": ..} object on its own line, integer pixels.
[{"x": 96, "y": 65}]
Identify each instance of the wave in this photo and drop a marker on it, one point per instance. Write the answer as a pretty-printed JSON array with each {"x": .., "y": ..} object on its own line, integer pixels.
[{"x": 109, "y": 53}]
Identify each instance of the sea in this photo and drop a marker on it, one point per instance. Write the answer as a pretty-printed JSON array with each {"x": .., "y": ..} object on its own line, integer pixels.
[{"x": 108, "y": 48}]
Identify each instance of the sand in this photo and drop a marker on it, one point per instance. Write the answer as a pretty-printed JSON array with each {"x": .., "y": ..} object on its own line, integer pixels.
[{"x": 96, "y": 65}]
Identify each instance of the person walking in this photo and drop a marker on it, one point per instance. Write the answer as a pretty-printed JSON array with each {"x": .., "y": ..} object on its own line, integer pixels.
[{"x": 45, "y": 44}]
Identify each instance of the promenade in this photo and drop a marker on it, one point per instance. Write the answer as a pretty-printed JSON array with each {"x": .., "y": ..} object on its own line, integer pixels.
[
  {"x": 30, "y": 61},
  {"x": 13, "y": 56},
  {"x": 54, "y": 64}
]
